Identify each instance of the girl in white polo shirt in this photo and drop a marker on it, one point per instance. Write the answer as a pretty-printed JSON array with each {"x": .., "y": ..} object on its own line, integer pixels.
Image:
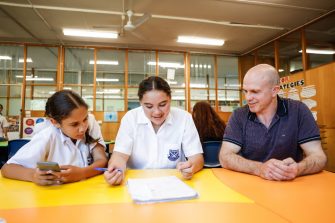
[
  {"x": 155, "y": 136},
  {"x": 73, "y": 140}
]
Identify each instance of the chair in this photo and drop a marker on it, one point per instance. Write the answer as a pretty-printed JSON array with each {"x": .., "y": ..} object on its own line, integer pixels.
[
  {"x": 211, "y": 153},
  {"x": 15, "y": 145}
]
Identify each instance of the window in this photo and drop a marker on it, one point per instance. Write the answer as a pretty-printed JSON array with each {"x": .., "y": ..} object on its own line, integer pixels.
[
  {"x": 172, "y": 69},
  {"x": 138, "y": 69},
  {"x": 202, "y": 81},
  {"x": 228, "y": 83},
  {"x": 11, "y": 73},
  {"x": 110, "y": 81}
]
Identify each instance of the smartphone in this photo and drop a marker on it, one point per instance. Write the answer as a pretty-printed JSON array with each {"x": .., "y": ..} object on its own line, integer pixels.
[{"x": 48, "y": 166}]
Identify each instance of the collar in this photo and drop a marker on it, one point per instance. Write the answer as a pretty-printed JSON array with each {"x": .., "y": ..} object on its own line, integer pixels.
[
  {"x": 65, "y": 138},
  {"x": 282, "y": 109},
  {"x": 143, "y": 119}
]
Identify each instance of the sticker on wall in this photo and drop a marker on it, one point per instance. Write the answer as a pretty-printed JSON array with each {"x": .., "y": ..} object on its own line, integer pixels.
[
  {"x": 39, "y": 120},
  {"x": 314, "y": 113},
  {"x": 282, "y": 93},
  {"x": 29, "y": 125},
  {"x": 293, "y": 94},
  {"x": 170, "y": 74},
  {"x": 30, "y": 122},
  {"x": 110, "y": 116},
  {"x": 28, "y": 131},
  {"x": 310, "y": 103},
  {"x": 308, "y": 91},
  {"x": 225, "y": 108}
]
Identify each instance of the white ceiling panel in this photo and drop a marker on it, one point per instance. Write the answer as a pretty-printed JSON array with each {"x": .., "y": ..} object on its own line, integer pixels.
[{"x": 243, "y": 24}]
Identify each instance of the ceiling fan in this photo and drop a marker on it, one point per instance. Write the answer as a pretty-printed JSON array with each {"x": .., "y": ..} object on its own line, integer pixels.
[{"x": 131, "y": 24}]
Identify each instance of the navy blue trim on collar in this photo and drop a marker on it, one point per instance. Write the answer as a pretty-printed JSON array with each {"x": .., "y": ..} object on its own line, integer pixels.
[{"x": 282, "y": 109}]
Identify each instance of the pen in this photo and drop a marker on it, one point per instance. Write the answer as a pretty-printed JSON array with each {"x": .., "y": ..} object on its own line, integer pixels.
[{"x": 105, "y": 169}]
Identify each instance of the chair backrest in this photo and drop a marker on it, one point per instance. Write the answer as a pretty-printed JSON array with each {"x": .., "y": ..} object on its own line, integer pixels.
[
  {"x": 211, "y": 153},
  {"x": 15, "y": 145}
]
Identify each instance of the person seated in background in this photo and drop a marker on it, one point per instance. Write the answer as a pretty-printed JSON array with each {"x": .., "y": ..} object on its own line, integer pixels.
[
  {"x": 73, "y": 139},
  {"x": 271, "y": 137},
  {"x": 155, "y": 136},
  {"x": 4, "y": 124},
  {"x": 208, "y": 123}
]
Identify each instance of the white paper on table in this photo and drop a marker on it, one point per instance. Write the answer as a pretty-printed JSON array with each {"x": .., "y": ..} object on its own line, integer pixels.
[{"x": 159, "y": 189}]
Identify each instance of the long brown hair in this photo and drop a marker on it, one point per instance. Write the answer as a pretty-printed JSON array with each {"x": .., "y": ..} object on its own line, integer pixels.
[
  {"x": 207, "y": 121},
  {"x": 60, "y": 105}
]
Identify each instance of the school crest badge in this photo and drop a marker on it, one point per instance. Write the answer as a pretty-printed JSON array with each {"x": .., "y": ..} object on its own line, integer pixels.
[{"x": 173, "y": 155}]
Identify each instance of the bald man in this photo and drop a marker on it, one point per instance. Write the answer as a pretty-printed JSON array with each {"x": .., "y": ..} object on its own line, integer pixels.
[{"x": 271, "y": 137}]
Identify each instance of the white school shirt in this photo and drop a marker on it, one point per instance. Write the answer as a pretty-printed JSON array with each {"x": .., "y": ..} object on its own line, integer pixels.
[
  {"x": 50, "y": 144},
  {"x": 3, "y": 124},
  {"x": 177, "y": 137}
]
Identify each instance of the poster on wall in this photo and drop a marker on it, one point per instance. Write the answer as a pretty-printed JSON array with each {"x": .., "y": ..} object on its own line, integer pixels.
[
  {"x": 294, "y": 87},
  {"x": 110, "y": 116},
  {"x": 13, "y": 130},
  {"x": 29, "y": 124}
]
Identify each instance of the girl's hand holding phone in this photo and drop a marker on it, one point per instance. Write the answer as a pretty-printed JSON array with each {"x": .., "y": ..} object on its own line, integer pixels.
[
  {"x": 45, "y": 177},
  {"x": 71, "y": 173}
]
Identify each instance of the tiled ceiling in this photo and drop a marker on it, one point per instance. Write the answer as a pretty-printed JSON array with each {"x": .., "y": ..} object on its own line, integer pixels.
[{"x": 243, "y": 24}]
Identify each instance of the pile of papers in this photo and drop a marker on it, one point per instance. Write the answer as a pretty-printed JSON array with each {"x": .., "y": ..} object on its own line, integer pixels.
[{"x": 159, "y": 189}]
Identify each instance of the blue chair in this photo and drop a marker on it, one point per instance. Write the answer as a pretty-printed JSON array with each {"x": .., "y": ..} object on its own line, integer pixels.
[
  {"x": 15, "y": 145},
  {"x": 211, "y": 153}
]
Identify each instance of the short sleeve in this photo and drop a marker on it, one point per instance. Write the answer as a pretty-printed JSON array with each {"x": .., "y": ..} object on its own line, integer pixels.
[
  {"x": 308, "y": 128},
  {"x": 191, "y": 142},
  {"x": 95, "y": 131},
  {"x": 5, "y": 123},
  {"x": 234, "y": 130},
  {"x": 125, "y": 137},
  {"x": 32, "y": 152}
]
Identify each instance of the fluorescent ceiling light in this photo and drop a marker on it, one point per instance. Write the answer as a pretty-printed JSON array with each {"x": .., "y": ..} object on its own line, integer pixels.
[
  {"x": 107, "y": 79},
  {"x": 39, "y": 79},
  {"x": 201, "y": 66},
  {"x": 176, "y": 97},
  {"x": 196, "y": 85},
  {"x": 87, "y": 33},
  {"x": 109, "y": 91},
  {"x": 20, "y": 76},
  {"x": 200, "y": 40},
  {"x": 227, "y": 99},
  {"x": 231, "y": 85},
  {"x": 112, "y": 96},
  {"x": 105, "y": 62},
  {"x": 172, "y": 82},
  {"x": 5, "y": 58},
  {"x": 281, "y": 70},
  {"x": 166, "y": 64},
  {"x": 29, "y": 60},
  {"x": 316, "y": 51},
  {"x": 36, "y": 78}
]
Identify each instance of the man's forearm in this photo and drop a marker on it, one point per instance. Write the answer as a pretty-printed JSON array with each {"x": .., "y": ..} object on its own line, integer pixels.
[
  {"x": 311, "y": 164},
  {"x": 235, "y": 162}
]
